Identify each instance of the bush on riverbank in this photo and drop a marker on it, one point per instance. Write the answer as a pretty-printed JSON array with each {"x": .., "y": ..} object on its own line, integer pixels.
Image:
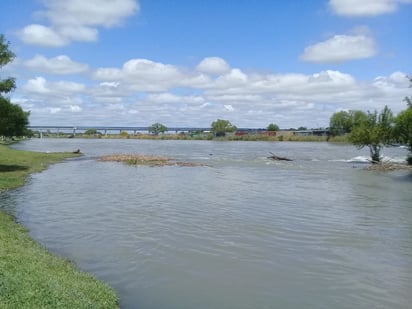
[{"x": 30, "y": 276}]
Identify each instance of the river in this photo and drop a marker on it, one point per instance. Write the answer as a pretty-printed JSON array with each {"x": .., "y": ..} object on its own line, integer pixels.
[{"x": 242, "y": 231}]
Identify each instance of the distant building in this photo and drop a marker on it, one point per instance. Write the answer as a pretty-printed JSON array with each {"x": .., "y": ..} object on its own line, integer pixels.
[{"x": 316, "y": 132}]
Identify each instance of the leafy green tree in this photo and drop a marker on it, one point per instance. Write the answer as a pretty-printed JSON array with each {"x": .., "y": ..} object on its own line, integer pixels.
[
  {"x": 403, "y": 125},
  {"x": 343, "y": 122},
  {"x": 6, "y": 56},
  {"x": 375, "y": 132},
  {"x": 340, "y": 123},
  {"x": 220, "y": 127},
  {"x": 90, "y": 132},
  {"x": 13, "y": 120},
  {"x": 302, "y": 128},
  {"x": 408, "y": 100},
  {"x": 272, "y": 127},
  {"x": 403, "y": 130},
  {"x": 157, "y": 128}
]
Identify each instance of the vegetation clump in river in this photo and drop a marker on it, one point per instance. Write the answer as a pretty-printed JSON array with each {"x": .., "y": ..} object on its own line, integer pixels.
[
  {"x": 148, "y": 160},
  {"x": 388, "y": 166},
  {"x": 30, "y": 276}
]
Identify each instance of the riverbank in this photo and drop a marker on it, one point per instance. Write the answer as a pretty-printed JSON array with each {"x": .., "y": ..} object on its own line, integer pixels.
[
  {"x": 30, "y": 276},
  {"x": 281, "y": 137}
]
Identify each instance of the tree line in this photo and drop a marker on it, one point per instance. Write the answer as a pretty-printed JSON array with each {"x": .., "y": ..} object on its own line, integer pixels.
[
  {"x": 374, "y": 129},
  {"x": 13, "y": 120}
]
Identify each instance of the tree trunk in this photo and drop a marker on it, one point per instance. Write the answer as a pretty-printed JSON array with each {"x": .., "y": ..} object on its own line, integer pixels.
[{"x": 375, "y": 153}]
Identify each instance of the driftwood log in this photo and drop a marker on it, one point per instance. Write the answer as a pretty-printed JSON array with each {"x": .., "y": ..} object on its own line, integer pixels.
[{"x": 277, "y": 158}]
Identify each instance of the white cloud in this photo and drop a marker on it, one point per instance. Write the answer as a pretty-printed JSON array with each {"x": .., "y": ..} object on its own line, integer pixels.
[
  {"x": 76, "y": 20},
  {"x": 40, "y": 85},
  {"x": 150, "y": 71},
  {"x": 340, "y": 48},
  {"x": 232, "y": 79},
  {"x": 213, "y": 65},
  {"x": 43, "y": 36},
  {"x": 107, "y": 74},
  {"x": 145, "y": 75},
  {"x": 229, "y": 107},
  {"x": 365, "y": 7},
  {"x": 142, "y": 92},
  {"x": 106, "y": 13},
  {"x": 36, "y": 85},
  {"x": 173, "y": 98},
  {"x": 58, "y": 65},
  {"x": 79, "y": 33},
  {"x": 75, "y": 108}
]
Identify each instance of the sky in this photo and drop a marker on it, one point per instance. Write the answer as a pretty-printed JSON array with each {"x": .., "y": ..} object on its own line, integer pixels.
[{"x": 187, "y": 63}]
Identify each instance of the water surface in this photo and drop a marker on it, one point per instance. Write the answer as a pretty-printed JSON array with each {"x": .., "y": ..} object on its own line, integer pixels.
[{"x": 241, "y": 232}]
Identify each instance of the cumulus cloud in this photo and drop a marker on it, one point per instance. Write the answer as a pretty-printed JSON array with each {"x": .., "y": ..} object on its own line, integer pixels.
[
  {"x": 43, "y": 36},
  {"x": 40, "y": 85},
  {"x": 76, "y": 20},
  {"x": 340, "y": 48},
  {"x": 141, "y": 92},
  {"x": 147, "y": 75},
  {"x": 58, "y": 65},
  {"x": 365, "y": 7},
  {"x": 213, "y": 65},
  {"x": 168, "y": 97}
]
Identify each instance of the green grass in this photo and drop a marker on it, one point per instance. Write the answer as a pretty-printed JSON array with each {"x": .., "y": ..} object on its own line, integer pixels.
[
  {"x": 16, "y": 165},
  {"x": 30, "y": 276}
]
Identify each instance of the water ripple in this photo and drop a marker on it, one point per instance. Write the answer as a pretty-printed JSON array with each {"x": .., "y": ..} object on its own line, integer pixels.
[{"x": 246, "y": 232}]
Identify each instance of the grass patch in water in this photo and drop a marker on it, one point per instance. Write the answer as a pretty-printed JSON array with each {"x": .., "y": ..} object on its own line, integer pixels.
[
  {"x": 30, "y": 276},
  {"x": 16, "y": 165},
  {"x": 138, "y": 159}
]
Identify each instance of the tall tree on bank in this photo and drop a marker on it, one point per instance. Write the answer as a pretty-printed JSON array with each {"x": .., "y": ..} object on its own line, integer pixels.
[
  {"x": 220, "y": 127},
  {"x": 403, "y": 126},
  {"x": 343, "y": 122},
  {"x": 403, "y": 130},
  {"x": 13, "y": 120},
  {"x": 375, "y": 132},
  {"x": 408, "y": 100},
  {"x": 272, "y": 127},
  {"x": 157, "y": 128}
]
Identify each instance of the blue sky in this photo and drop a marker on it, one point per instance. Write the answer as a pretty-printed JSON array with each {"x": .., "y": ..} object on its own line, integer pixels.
[{"x": 188, "y": 63}]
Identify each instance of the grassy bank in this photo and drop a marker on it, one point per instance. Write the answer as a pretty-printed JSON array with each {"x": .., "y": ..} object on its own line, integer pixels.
[
  {"x": 30, "y": 276},
  {"x": 281, "y": 137}
]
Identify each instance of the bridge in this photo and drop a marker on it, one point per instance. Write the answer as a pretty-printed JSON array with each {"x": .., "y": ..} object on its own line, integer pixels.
[{"x": 107, "y": 129}]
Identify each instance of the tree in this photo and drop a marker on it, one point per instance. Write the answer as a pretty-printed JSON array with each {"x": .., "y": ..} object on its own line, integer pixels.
[
  {"x": 343, "y": 122},
  {"x": 403, "y": 126},
  {"x": 6, "y": 56},
  {"x": 272, "y": 127},
  {"x": 157, "y": 128},
  {"x": 13, "y": 120},
  {"x": 90, "y": 132},
  {"x": 375, "y": 132},
  {"x": 408, "y": 100},
  {"x": 403, "y": 130},
  {"x": 220, "y": 127}
]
